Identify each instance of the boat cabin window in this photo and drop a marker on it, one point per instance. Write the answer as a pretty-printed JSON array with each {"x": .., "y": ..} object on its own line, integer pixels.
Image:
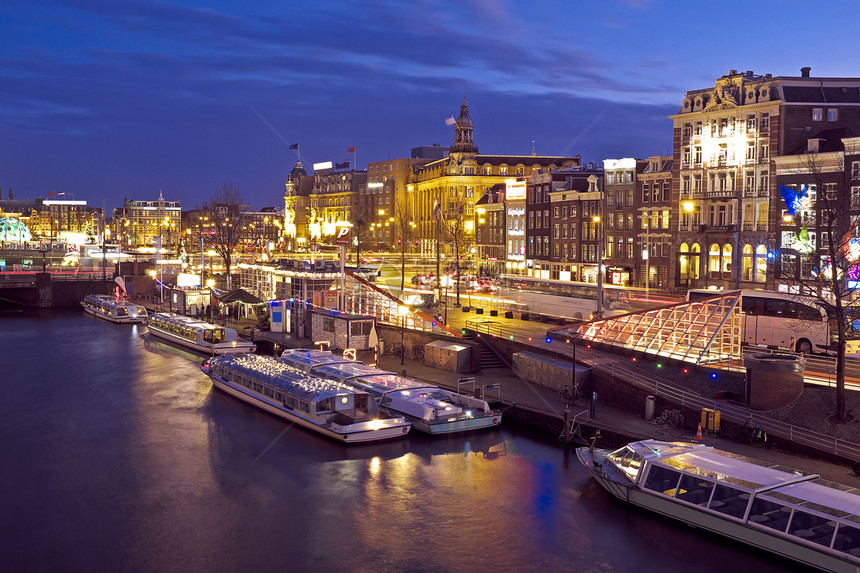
[
  {"x": 730, "y": 501},
  {"x": 325, "y": 405},
  {"x": 847, "y": 539},
  {"x": 360, "y": 401},
  {"x": 812, "y": 527},
  {"x": 628, "y": 461},
  {"x": 662, "y": 480},
  {"x": 770, "y": 514},
  {"x": 694, "y": 489}
]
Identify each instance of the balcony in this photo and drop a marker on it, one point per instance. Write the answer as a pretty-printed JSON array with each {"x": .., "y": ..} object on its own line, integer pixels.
[
  {"x": 721, "y": 194},
  {"x": 755, "y": 227},
  {"x": 717, "y": 228}
]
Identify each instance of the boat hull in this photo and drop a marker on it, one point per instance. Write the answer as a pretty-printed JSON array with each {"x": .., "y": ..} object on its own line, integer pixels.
[
  {"x": 238, "y": 347},
  {"x": 111, "y": 318},
  {"x": 392, "y": 430},
  {"x": 737, "y": 530},
  {"x": 441, "y": 427}
]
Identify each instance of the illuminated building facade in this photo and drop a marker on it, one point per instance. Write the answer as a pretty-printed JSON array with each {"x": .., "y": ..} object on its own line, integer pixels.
[
  {"x": 619, "y": 219},
  {"x": 459, "y": 180},
  {"x": 726, "y": 202},
  {"x": 575, "y": 195},
  {"x": 387, "y": 186},
  {"x": 490, "y": 225},
  {"x": 654, "y": 222},
  {"x": 140, "y": 223},
  {"x": 297, "y": 208},
  {"x": 331, "y": 202}
]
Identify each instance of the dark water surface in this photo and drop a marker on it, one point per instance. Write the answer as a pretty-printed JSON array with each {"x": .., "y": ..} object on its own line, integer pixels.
[{"x": 118, "y": 455}]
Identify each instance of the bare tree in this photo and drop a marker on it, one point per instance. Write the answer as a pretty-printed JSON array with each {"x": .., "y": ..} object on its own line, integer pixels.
[
  {"x": 454, "y": 229},
  {"x": 823, "y": 269},
  {"x": 227, "y": 212},
  {"x": 404, "y": 229},
  {"x": 359, "y": 217}
]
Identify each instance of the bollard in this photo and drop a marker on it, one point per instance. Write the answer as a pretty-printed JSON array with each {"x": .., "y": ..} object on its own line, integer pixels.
[
  {"x": 592, "y": 410},
  {"x": 566, "y": 424}
]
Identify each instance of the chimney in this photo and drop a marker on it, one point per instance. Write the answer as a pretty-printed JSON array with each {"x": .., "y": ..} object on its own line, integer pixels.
[
  {"x": 732, "y": 72},
  {"x": 813, "y": 145},
  {"x": 804, "y": 71}
]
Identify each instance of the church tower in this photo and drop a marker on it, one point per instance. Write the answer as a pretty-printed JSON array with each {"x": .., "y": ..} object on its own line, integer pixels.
[{"x": 463, "y": 127}]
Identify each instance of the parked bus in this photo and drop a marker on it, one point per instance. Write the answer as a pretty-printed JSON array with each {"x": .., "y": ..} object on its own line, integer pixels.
[{"x": 787, "y": 321}]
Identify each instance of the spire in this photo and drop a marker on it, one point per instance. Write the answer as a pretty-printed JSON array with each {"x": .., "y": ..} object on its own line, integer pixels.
[{"x": 463, "y": 129}]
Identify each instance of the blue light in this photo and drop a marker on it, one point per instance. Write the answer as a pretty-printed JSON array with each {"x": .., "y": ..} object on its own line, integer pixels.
[
  {"x": 548, "y": 339},
  {"x": 713, "y": 374}
]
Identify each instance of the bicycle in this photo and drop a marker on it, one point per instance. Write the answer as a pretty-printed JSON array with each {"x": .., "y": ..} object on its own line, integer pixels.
[
  {"x": 418, "y": 353},
  {"x": 755, "y": 435},
  {"x": 571, "y": 395},
  {"x": 396, "y": 349}
]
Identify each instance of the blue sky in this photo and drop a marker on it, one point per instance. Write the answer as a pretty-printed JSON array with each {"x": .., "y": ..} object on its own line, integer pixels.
[{"x": 106, "y": 99}]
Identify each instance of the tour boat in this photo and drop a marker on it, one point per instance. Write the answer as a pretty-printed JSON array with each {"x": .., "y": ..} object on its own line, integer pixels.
[
  {"x": 113, "y": 309},
  {"x": 788, "y": 512},
  {"x": 196, "y": 334},
  {"x": 325, "y": 406},
  {"x": 431, "y": 409}
]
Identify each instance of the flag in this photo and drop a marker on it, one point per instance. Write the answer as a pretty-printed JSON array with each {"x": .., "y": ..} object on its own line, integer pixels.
[
  {"x": 450, "y": 121},
  {"x": 350, "y": 149},
  {"x": 294, "y": 146},
  {"x": 51, "y": 194},
  {"x": 61, "y": 193}
]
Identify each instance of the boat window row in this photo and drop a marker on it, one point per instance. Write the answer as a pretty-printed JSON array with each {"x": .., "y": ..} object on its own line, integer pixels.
[
  {"x": 766, "y": 510},
  {"x": 274, "y": 393},
  {"x": 106, "y": 308},
  {"x": 187, "y": 331}
]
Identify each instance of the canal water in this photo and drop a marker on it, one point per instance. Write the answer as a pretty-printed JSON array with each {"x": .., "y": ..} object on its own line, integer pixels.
[{"x": 118, "y": 455}]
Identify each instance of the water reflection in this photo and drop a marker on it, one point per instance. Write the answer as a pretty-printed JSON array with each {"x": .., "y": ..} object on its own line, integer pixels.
[{"x": 124, "y": 457}]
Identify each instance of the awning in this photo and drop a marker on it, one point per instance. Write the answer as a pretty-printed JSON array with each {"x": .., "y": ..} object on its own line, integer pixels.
[{"x": 238, "y": 295}]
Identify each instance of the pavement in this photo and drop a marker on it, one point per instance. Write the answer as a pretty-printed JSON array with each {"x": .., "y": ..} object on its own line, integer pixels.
[{"x": 814, "y": 409}]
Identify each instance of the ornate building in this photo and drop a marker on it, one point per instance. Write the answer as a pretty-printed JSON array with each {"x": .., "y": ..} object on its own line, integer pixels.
[
  {"x": 141, "y": 223},
  {"x": 297, "y": 208},
  {"x": 456, "y": 182},
  {"x": 654, "y": 222},
  {"x": 727, "y": 206}
]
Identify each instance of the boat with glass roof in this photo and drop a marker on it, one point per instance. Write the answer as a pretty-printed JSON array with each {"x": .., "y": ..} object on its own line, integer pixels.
[
  {"x": 782, "y": 510},
  {"x": 113, "y": 309},
  {"x": 335, "y": 410},
  {"x": 197, "y": 334},
  {"x": 431, "y": 409}
]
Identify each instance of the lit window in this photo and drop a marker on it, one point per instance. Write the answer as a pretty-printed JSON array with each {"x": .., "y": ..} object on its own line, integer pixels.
[
  {"x": 817, "y": 114},
  {"x": 832, "y": 114}
]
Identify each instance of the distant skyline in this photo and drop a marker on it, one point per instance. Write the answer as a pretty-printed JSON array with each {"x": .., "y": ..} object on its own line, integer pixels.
[{"x": 106, "y": 99}]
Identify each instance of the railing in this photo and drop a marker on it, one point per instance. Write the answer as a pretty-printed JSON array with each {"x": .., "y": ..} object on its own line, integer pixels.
[
  {"x": 659, "y": 387},
  {"x": 720, "y": 193}
]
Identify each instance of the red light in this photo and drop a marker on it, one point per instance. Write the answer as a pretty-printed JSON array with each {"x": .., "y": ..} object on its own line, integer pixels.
[
  {"x": 685, "y": 370},
  {"x": 634, "y": 359}
]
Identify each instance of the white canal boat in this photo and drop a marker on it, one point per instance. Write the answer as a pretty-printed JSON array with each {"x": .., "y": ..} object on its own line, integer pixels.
[
  {"x": 113, "y": 309},
  {"x": 431, "y": 409},
  {"x": 788, "y": 512},
  {"x": 325, "y": 406},
  {"x": 197, "y": 335}
]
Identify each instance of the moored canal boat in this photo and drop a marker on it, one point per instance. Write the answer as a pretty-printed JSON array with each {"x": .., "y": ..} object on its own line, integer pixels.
[
  {"x": 113, "y": 309},
  {"x": 324, "y": 406},
  {"x": 197, "y": 335},
  {"x": 785, "y": 511},
  {"x": 431, "y": 409}
]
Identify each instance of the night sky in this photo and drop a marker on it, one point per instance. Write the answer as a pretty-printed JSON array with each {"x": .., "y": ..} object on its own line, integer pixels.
[{"x": 107, "y": 99}]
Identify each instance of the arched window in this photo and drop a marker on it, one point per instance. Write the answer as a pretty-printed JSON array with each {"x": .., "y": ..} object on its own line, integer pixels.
[
  {"x": 714, "y": 258},
  {"x": 726, "y": 264},
  {"x": 694, "y": 260},
  {"x": 760, "y": 263},
  {"x": 747, "y": 264},
  {"x": 684, "y": 260}
]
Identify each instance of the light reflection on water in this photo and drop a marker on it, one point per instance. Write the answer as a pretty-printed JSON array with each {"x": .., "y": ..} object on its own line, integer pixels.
[{"x": 125, "y": 458}]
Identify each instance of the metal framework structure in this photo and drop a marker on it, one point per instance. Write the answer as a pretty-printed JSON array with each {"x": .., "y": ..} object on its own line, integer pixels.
[
  {"x": 363, "y": 297},
  {"x": 706, "y": 331}
]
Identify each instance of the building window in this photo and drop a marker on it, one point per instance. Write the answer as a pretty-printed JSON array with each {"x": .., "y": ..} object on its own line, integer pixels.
[
  {"x": 765, "y": 122},
  {"x": 855, "y": 169},
  {"x": 817, "y": 114},
  {"x": 832, "y": 114},
  {"x": 646, "y": 192},
  {"x": 503, "y": 170}
]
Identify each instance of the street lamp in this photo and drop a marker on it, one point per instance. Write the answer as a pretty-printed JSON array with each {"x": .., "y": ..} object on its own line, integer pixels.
[
  {"x": 645, "y": 254},
  {"x": 596, "y": 220},
  {"x": 402, "y": 310}
]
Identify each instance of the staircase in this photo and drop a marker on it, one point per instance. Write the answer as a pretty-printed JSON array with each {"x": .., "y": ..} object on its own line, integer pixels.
[{"x": 489, "y": 359}]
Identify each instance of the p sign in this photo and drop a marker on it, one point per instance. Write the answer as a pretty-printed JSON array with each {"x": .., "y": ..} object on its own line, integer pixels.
[{"x": 342, "y": 236}]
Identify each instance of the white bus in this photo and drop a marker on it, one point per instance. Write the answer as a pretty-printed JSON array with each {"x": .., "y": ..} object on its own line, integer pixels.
[{"x": 782, "y": 320}]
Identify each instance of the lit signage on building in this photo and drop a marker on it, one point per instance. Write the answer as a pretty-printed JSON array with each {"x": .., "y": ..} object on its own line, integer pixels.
[
  {"x": 515, "y": 190},
  {"x": 323, "y": 165}
]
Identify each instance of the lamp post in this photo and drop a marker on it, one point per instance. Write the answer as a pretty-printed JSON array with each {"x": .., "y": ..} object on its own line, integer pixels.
[
  {"x": 596, "y": 219},
  {"x": 402, "y": 311},
  {"x": 646, "y": 255}
]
